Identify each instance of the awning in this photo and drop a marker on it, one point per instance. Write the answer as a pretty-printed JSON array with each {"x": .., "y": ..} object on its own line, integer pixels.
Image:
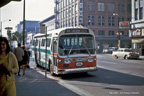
[
  {"x": 4, "y": 2},
  {"x": 140, "y": 41}
]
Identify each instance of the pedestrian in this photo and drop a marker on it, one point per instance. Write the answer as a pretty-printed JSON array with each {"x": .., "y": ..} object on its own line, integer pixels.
[
  {"x": 8, "y": 67},
  {"x": 11, "y": 49},
  {"x": 25, "y": 59},
  {"x": 19, "y": 53},
  {"x": 29, "y": 54}
]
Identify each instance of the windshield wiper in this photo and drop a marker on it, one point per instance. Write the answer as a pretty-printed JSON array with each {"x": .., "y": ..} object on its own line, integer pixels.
[
  {"x": 87, "y": 49},
  {"x": 70, "y": 51}
]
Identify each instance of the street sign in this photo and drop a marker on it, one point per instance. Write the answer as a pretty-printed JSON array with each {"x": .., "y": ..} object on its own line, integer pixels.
[
  {"x": 8, "y": 28},
  {"x": 124, "y": 25}
]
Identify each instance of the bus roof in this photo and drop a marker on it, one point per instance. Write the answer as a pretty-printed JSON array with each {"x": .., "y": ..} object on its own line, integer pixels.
[{"x": 57, "y": 31}]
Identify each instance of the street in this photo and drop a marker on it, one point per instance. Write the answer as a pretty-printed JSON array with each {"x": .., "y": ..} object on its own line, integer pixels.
[{"x": 114, "y": 77}]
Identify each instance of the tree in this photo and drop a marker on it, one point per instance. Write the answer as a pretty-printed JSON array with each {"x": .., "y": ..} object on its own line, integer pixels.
[{"x": 16, "y": 36}]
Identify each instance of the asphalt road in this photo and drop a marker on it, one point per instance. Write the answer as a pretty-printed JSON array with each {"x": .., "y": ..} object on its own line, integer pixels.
[{"x": 114, "y": 77}]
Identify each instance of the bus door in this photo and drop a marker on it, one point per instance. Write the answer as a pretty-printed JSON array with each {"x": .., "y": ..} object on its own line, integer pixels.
[
  {"x": 36, "y": 51},
  {"x": 54, "y": 51},
  {"x": 39, "y": 58}
]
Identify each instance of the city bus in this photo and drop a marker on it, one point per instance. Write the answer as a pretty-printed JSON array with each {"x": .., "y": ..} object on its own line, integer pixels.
[{"x": 66, "y": 50}]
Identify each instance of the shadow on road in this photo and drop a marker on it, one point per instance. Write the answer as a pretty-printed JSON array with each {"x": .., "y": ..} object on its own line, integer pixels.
[
  {"x": 107, "y": 77},
  {"x": 35, "y": 84}
]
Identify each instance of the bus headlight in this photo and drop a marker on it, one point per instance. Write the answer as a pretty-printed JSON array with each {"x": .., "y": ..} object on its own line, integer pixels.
[
  {"x": 60, "y": 61},
  {"x": 90, "y": 59},
  {"x": 67, "y": 61}
]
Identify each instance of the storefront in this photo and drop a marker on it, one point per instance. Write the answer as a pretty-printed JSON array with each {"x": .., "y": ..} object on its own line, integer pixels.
[{"x": 137, "y": 36}]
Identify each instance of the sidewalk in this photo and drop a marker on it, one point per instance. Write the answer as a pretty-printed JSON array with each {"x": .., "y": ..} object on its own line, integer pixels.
[{"x": 35, "y": 84}]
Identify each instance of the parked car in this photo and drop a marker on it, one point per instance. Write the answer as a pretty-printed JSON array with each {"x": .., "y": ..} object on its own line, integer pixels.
[
  {"x": 110, "y": 50},
  {"x": 125, "y": 53}
]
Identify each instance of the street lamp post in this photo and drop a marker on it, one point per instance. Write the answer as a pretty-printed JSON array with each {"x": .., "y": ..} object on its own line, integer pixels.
[
  {"x": 1, "y": 25},
  {"x": 115, "y": 14},
  {"x": 24, "y": 22}
]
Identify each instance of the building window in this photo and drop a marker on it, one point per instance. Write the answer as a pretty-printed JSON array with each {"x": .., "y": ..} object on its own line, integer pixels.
[
  {"x": 121, "y": 7},
  {"x": 69, "y": 1},
  {"x": 101, "y": 7},
  {"x": 136, "y": 14},
  {"x": 141, "y": 13},
  {"x": 111, "y": 33},
  {"x": 111, "y": 7},
  {"x": 69, "y": 11},
  {"x": 64, "y": 3},
  {"x": 91, "y": 20},
  {"x": 76, "y": 8},
  {"x": 128, "y": 19},
  {"x": 141, "y": 3},
  {"x": 61, "y": 14},
  {"x": 64, "y": 13},
  {"x": 121, "y": 19},
  {"x": 111, "y": 21},
  {"x": 91, "y": 6},
  {"x": 129, "y": 8},
  {"x": 72, "y": 21},
  {"x": 73, "y": 10},
  {"x": 101, "y": 32},
  {"x": 101, "y": 20},
  {"x": 76, "y": 21},
  {"x": 69, "y": 22}
]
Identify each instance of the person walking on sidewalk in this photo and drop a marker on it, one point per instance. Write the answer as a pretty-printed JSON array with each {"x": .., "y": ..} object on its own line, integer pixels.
[
  {"x": 19, "y": 53},
  {"x": 25, "y": 59},
  {"x": 8, "y": 67}
]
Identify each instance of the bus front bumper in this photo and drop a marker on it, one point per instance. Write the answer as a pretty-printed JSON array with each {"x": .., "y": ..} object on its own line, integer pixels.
[{"x": 76, "y": 70}]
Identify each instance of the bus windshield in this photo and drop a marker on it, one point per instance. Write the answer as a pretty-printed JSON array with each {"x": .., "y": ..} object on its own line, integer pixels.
[{"x": 76, "y": 44}]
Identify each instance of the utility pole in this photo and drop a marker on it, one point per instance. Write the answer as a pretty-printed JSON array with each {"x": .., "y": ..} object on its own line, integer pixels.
[
  {"x": 24, "y": 22},
  {"x": 119, "y": 43}
]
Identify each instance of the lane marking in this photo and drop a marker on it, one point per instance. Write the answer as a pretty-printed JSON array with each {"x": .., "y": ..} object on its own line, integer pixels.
[{"x": 108, "y": 62}]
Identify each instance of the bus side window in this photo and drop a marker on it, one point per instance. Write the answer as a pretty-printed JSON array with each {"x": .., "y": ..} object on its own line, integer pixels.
[
  {"x": 36, "y": 43},
  {"x": 43, "y": 42},
  {"x": 48, "y": 42},
  {"x": 33, "y": 43}
]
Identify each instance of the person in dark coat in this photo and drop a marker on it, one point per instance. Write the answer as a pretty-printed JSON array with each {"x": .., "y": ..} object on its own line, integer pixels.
[{"x": 25, "y": 59}]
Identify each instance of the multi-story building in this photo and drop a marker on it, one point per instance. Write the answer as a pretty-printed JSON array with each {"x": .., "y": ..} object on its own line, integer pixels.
[
  {"x": 30, "y": 26},
  {"x": 97, "y": 15},
  {"x": 137, "y": 25},
  {"x": 47, "y": 24}
]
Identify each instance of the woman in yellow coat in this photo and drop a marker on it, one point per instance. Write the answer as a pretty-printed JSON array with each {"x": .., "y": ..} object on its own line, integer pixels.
[{"x": 8, "y": 67}]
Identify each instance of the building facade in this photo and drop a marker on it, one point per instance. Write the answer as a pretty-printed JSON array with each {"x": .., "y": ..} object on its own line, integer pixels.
[
  {"x": 47, "y": 24},
  {"x": 137, "y": 25},
  {"x": 30, "y": 26},
  {"x": 98, "y": 16}
]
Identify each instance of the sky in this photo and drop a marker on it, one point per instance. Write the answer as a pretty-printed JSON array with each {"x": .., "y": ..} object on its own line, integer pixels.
[{"x": 34, "y": 10}]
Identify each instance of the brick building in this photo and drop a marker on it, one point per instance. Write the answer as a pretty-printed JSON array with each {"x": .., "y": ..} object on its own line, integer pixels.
[{"x": 97, "y": 15}]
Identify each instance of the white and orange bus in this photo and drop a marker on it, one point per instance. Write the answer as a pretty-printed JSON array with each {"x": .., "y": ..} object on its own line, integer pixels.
[{"x": 66, "y": 50}]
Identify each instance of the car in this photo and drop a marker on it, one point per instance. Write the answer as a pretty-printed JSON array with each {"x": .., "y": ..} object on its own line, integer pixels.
[
  {"x": 110, "y": 50},
  {"x": 125, "y": 53}
]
